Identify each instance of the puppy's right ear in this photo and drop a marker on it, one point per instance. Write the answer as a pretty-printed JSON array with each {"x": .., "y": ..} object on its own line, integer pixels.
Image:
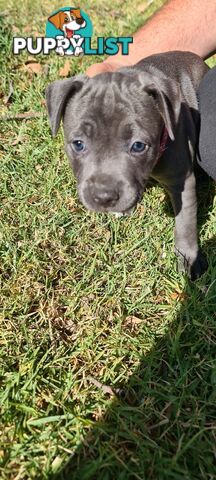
[{"x": 57, "y": 94}]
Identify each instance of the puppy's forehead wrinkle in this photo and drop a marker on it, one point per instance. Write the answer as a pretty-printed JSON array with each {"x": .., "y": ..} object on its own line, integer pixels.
[
  {"x": 105, "y": 100},
  {"x": 111, "y": 101},
  {"x": 87, "y": 88},
  {"x": 89, "y": 127},
  {"x": 126, "y": 130}
]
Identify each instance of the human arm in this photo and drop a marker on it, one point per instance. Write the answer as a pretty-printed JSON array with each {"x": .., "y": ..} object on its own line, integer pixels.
[{"x": 179, "y": 25}]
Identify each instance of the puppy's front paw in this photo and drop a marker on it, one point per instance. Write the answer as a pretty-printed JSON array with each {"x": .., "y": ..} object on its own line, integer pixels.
[
  {"x": 198, "y": 267},
  {"x": 194, "y": 269}
]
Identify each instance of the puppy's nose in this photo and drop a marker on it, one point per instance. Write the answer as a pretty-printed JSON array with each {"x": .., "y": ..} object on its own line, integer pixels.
[
  {"x": 79, "y": 20},
  {"x": 105, "y": 195}
]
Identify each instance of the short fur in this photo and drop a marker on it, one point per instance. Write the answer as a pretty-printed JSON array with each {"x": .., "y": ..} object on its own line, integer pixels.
[{"x": 112, "y": 111}]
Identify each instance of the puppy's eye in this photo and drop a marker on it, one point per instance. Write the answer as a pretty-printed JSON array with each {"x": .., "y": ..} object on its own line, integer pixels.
[
  {"x": 139, "y": 147},
  {"x": 66, "y": 20},
  {"x": 78, "y": 146}
]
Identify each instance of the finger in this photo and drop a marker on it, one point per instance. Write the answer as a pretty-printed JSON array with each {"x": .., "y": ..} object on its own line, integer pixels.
[{"x": 103, "y": 67}]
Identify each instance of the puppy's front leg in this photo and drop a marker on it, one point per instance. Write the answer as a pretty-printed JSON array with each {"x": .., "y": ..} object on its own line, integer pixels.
[{"x": 183, "y": 197}]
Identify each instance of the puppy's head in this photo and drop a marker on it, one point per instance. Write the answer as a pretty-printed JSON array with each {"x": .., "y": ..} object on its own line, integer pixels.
[
  {"x": 68, "y": 21},
  {"x": 113, "y": 124}
]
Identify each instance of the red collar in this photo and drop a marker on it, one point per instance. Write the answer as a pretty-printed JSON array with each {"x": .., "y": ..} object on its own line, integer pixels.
[{"x": 163, "y": 142}]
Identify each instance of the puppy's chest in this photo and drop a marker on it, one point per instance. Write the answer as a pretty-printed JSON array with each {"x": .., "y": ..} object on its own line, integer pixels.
[{"x": 176, "y": 160}]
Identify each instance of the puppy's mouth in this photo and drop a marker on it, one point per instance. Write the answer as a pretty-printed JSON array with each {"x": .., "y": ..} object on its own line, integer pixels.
[
  {"x": 69, "y": 32},
  {"x": 131, "y": 208},
  {"x": 116, "y": 197},
  {"x": 119, "y": 210},
  {"x": 126, "y": 213}
]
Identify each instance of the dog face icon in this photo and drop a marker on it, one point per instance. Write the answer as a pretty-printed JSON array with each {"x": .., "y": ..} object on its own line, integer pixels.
[{"x": 68, "y": 21}]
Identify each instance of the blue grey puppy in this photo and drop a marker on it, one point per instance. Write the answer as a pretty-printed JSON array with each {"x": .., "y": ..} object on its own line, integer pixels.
[{"x": 137, "y": 123}]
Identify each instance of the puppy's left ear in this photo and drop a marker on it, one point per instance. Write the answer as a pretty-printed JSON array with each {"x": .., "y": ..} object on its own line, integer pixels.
[
  {"x": 57, "y": 94},
  {"x": 55, "y": 19},
  {"x": 168, "y": 100}
]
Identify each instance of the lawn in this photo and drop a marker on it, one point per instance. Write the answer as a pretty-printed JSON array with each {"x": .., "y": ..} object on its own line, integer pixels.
[{"x": 108, "y": 354}]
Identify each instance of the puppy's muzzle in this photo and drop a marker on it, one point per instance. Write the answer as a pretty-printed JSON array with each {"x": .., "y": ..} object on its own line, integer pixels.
[{"x": 103, "y": 191}]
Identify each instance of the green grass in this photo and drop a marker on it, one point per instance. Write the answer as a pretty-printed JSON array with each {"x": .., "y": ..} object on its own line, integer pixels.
[{"x": 86, "y": 295}]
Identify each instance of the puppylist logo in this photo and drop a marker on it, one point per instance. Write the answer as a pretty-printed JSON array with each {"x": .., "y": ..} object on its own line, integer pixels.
[
  {"x": 70, "y": 27},
  {"x": 69, "y": 32}
]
